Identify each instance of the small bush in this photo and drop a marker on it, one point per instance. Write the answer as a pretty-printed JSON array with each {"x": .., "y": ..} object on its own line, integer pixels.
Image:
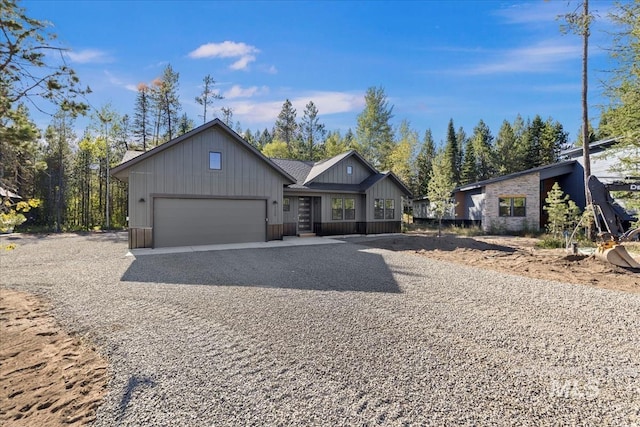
[{"x": 550, "y": 242}]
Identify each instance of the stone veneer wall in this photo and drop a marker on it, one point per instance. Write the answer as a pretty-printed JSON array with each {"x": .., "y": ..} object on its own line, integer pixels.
[{"x": 525, "y": 185}]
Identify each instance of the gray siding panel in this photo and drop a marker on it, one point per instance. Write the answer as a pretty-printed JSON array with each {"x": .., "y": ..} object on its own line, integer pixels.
[
  {"x": 384, "y": 189},
  {"x": 184, "y": 170},
  {"x": 338, "y": 173}
]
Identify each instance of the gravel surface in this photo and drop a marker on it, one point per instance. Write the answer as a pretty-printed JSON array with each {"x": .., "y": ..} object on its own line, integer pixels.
[{"x": 335, "y": 335}]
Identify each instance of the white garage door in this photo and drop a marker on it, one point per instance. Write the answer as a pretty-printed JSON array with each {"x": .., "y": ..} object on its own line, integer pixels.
[{"x": 187, "y": 222}]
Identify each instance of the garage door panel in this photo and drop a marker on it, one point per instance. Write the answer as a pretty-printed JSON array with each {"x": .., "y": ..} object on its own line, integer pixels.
[{"x": 187, "y": 222}]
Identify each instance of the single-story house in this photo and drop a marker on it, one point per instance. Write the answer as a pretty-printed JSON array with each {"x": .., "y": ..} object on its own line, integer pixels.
[
  {"x": 515, "y": 202},
  {"x": 210, "y": 186}
]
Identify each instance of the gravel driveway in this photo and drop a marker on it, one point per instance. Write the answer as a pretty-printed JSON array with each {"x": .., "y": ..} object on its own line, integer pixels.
[{"x": 335, "y": 335}]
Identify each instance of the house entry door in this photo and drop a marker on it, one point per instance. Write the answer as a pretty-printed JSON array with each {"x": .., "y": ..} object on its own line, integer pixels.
[{"x": 304, "y": 215}]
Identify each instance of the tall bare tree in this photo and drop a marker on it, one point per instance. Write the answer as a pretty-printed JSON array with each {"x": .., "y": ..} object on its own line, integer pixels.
[{"x": 207, "y": 96}]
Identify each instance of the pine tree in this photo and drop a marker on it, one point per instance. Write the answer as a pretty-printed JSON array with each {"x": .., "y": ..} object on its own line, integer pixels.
[
  {"x": 469, "y": 172},
  {"x": 552, "y": 141},
  {"x": 312, "y": 132},
  {"x": 452, "y": 151},
  {"x": 374, "y": 132},
  {"x": 423, "y": 163},
  {"x": 483, "y": 144},
  {"x": 286, "y": 128},
  {"x": 563, "y": 213},
  {"x": 141, "y": 122},
  {"x": 505, "y": 150},
  {"x": 207, "y": 96},
  {"x": 167, "y": 103},
  {"x": 532, "y": 140},
  {"x": 185, "y": 124}
]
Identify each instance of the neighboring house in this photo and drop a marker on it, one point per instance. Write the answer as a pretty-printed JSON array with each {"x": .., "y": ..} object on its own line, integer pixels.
[
  {"x": 515, "y": 202},
  {"x": 210, "y": 186}
]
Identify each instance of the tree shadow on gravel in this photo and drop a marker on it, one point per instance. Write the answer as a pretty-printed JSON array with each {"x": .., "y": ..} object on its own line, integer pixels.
[
  {"x": 409, "y": 242},
  {"x": 337, "y": 267},
  {"x": 135, "y": 382}
]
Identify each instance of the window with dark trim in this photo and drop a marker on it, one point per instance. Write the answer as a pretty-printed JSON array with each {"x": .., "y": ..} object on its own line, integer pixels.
[
  {"x": 378, "y": 209},
  {"x": 215, "y": 160},
  {"x": 349, "y": 170},
  {"x": 389, "y": 209},
  {"x": 512, "y": 206},
  {"x": 286, "y": 204},
  {"x": 336, "y": 209},
  {"x": 349, "y": 208}
]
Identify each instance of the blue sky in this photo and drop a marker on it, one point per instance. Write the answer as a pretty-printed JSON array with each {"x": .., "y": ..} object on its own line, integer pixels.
[{"x": 466, "y": 60}]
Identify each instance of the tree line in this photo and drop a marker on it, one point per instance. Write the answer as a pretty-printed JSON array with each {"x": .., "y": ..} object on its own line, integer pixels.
[{"x": 68, "y": 172}]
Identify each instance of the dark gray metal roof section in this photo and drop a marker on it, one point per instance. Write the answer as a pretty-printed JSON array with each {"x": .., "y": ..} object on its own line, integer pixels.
[
  {"x": 594, "y": 147},
  {"x": 548, "y": 171},
  {"x": 215, "y": 122}
]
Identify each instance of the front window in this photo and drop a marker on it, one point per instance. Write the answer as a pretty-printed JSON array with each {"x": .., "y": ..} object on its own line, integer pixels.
[
  {"x": 389, "y": 209},
  {"x": 215, "y": 160},
  {"x": 378, "y": 209},
  {"x": 286, "y": 204},
  {"x": 349, "y": 208},
  {"x": 336, "y": 209},
  {"x": 512, "y": 206}
]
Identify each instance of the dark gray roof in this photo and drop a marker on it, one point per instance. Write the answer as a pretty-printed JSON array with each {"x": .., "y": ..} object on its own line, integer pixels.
[
  {"x": 594, "y": 147},
  {"x": 298, "y": 169},
  {"x": 547, "y": 171}
]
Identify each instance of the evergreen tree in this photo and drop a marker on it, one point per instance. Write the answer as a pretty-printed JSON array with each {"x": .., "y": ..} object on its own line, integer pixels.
[
  {"x": 165, "y": 96},
  {"x": 350, "y": 142},
  {"x": 185, "y": 124},
  {"x": 286, "y": 128},
  {"x": 469, "y": 172},
  {"x": 483, "y": 145},
  {"x": 207, "y": 96},
  {"x": 141, "y": 121},
  {"x": 58, "y": 136},
  {"x": 505, "y": 151},
  {"x": 423, "y": 163},
  {"x": 312, "y": 132},
  {"x": 552, "y": 141},
  {"x": 563, "y": 213},
  {"x": 440, "y": 189},
  {"x": 374, "y": 132},
  {"x": 452, "y": 151},
  {"x": 264, "y": 138},
  {"x": 532, "y": 141},
  {"x": 227, "y": 115},
  {"x": 621, "y": 118}
]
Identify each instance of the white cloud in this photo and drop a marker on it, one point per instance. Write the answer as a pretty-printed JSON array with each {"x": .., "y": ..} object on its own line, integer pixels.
[
  {"x": 87, "y": 56},
  {"x": 327, "y": 102},
  {"x": 116, "y": 81},
  {"x": 237, "y": 91},
  {"x": 227, "y": 49},
  {"x": 539, "y": 58}
]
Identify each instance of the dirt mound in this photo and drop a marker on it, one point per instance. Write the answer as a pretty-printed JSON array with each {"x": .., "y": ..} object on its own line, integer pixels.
[
  {"x": 46, "y": 376},
  {"x": 516, "y": 255}
]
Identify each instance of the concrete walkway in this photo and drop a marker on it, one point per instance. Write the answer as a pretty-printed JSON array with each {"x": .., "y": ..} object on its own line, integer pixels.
[{"x": 286, "y": 242}]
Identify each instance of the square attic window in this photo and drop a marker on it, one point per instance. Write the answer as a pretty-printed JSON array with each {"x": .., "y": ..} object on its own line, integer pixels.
[{"x": 215, "y": 160}]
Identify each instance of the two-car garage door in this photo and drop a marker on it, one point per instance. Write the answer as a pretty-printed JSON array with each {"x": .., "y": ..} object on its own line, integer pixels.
[{"x": 188, "y": 222}]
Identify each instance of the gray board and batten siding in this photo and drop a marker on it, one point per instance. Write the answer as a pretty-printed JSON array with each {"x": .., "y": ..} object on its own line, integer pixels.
[{"x": 178, "y": 176}]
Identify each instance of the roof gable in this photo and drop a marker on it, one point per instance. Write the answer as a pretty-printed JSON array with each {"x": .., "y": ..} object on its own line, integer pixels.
[
  {"x": 374, "y": 179},
  {"x": 131, "y": 161},
  {"x": 321, "y": 167}
]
